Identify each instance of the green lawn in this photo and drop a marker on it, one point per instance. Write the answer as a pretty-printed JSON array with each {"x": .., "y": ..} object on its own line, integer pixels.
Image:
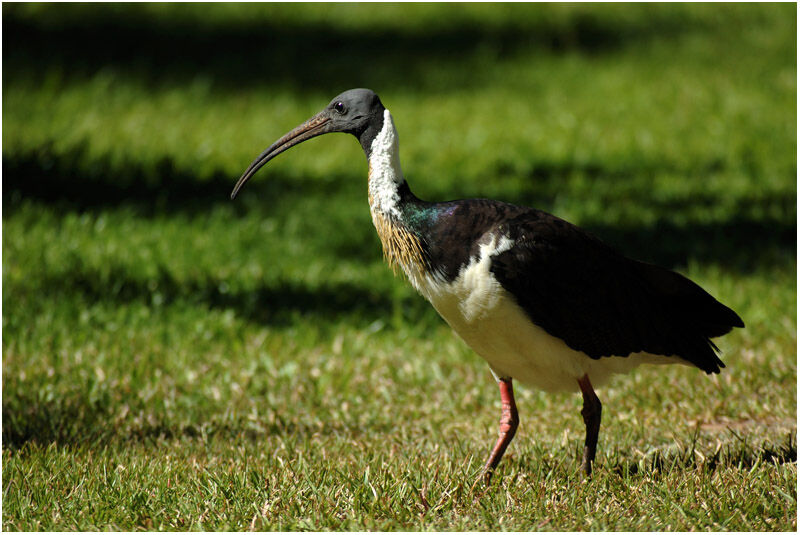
[{"x": 174, "y": 360}]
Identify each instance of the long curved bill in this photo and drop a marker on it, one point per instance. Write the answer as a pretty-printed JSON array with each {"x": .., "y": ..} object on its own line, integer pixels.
[{"x": 317, "y": 125}]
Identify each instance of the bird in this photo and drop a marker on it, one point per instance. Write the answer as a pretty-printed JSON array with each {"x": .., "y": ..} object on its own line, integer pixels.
[{"x": 544, "y": 302}]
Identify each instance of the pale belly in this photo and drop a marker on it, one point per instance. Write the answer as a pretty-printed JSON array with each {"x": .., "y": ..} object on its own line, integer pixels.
[
  {"x": 488, "y": 319},
  {"x": 516, "y": 348}
]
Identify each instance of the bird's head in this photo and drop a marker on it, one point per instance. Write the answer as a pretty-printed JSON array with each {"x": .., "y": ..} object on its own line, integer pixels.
[{"x": 356, "y": 111}]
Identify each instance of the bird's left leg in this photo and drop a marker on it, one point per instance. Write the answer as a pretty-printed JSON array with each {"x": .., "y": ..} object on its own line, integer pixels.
[
  {"x": 591, "y": 412},
  {"x": 509, "y": 421}
]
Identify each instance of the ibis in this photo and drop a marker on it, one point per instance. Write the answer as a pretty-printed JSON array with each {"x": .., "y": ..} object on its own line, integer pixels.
[{"x": 541, "y": 300}]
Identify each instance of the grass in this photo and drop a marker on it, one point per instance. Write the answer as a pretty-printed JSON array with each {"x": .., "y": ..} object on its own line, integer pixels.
[{"x": 172, "y": 360}]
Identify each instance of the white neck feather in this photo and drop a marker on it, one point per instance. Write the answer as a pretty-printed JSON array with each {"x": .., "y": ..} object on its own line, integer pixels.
[{"x": 385, "y": 175}]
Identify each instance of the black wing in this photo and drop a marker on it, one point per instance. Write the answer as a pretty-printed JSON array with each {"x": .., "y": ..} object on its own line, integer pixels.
[{"x": 601, "y": 303}]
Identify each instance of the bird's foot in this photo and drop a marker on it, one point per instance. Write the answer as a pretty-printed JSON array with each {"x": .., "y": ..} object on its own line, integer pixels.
[
  {"x": 586, "y": 463},
  {"x": 586, "y": 470},
  {"x": 482, "y": 482}
]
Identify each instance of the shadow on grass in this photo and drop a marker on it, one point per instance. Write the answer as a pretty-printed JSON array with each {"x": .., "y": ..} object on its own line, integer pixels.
[
  {"x": 760, "y": 228},
  {"x": 744, "y": 242},
  {"x": 78, "y": 419},
  {"x": 72, "y": 181},
  {"x": 66, "y": 420},
  {"x": 739, "y": 244},
  {"x": 279, "y": 304},
  {"x": 306, "y": 56},
  {"x": 732, "y": 454}
]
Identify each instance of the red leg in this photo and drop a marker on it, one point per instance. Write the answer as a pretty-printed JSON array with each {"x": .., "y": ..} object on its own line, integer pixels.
[
  {"x": 591, "y": 412},
  {"x": 509, "y": 421}
]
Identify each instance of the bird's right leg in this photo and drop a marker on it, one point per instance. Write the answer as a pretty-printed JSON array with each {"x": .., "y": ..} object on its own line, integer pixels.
[
  {"x": 509, "y": 421},
  {"x": 591, "y": 412}
]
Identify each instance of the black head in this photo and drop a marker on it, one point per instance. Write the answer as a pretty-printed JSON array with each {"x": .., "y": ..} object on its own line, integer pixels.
[{"x": 357, "y": 111}]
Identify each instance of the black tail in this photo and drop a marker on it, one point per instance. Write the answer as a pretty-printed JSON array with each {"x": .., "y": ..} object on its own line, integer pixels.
[{"x": 695, "y": 312}]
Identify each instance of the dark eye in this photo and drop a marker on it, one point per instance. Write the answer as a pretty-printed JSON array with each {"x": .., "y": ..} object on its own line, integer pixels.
[{"x": 339, "y": 107}]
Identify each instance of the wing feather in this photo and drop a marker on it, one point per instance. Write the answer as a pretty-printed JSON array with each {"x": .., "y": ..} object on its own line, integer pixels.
[{"x": 602, "y": 303}]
